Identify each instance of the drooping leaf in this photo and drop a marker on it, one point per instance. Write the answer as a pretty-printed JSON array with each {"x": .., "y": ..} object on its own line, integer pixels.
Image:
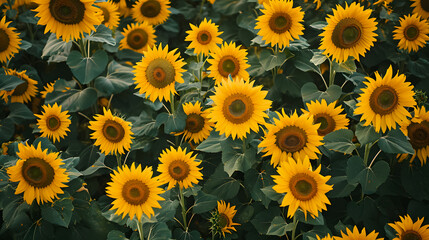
[
  {"x": 395, "y": 142},
  {"x": 73, "y": 100}
]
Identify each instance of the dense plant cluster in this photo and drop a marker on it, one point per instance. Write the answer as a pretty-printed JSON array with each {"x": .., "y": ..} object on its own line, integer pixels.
[{"x": 246, "y": 119}]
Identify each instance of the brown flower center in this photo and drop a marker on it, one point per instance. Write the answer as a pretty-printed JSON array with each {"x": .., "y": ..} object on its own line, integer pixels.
[
  {"x": 291, "y": 139},
  {"x": 383, "y": 100},
  {"x": 37, "y": 172},
  {"x": 228, "y": 65},
  {"x": 194, "y": 123},
  {"x": 113, "y": 131},
  {"x": 347, "y": 33},
  {"x": 150, "y": 8},
  {"x": 21, "y": 88},
  {"x": 411, "y": 32},
  {"x": 106, "y": 15},
  {"x": 204, "y": 37},
  {"x": 303, "y": 187},
  {"x": 67, "y": 11},
  {"x": 160, "y": 73},
  {"x": 53, "y": 122},
  {"x": 327, "y": 123},
  {"x": 238, "y": 108},
  {"x": 178, "y": 170},
  {"x": 419, "y": 134},
  {"x": 4, "y": 40},
  {"x": 223, "y": 220},
  {"x": 411, "y": 235},
  {"x": 280, "y": 22},
  {"x": 137, "y": 38},
  {"x": 425, "y": 5},
  {"x": 135, "y": 192}
]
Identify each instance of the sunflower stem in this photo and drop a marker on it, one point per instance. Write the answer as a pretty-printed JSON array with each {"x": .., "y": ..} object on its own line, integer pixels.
[
  {"x": 140, "y": 229},
  {"x": 367, "y": 150},
  {"x": 295, "y": 223},
  {"x": 172, "y": 104},
  {"x": 182, "y": 203},
  {"x": 118, "y": 160},
  {"x": 331, "y": 73},
  {"x": 201, "y": 9}
]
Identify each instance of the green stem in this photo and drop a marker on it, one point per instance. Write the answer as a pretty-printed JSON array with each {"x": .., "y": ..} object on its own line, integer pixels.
[
  {"x": 367, "y": 150},
  {"x": 118, "y": 160},
  {"x": 201, "y": 9},
  {"x": 140, "y": 228},
  {"x": 295, "y": 223},
  {"x": 172, "y": 104},
  {"x": 331, "y": 73},
  {"x": 182, "y": 203}
]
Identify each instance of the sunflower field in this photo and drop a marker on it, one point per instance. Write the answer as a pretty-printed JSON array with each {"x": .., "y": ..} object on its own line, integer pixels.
[{"x": 218, "y": 119}]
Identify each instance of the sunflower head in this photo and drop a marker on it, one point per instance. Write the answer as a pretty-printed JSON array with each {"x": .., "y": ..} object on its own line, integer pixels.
[
  {"x": 9, "y": 41},
  {"x": 151, "y": 11},
  {"x": 53, "y": 123},
  {"x": 327, "y": 237},
  {"x": 157, "y": 72},
  {"x": 421, "y": 7},
  {"x": 110, "y": 14},
  {"x": 384, "y": 100},
  {"x": 111, "y": 133},
  {"x": 280, "y": 22},
  {"x": 406, "y": 229},
  {"x": 412, "y": 33},
  {"x": 204, "y": 38},
  {"x": 47, "y": 89},
  {"x": 138, "y": 37},
  {"x": 355, "y": 234},
  {"x": 350, "y": 32},
  {"x": 135, "y": 191},
  {"x": 198, "y": 126},
  {"x": 221, "y": 219},
  {"x": 39, "y": 173},
  {"x": 24, "y": 91}
]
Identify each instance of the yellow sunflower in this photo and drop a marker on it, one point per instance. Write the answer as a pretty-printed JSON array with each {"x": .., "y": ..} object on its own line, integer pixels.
[
  {"x": 350, "y": 32},
  {"x": 384, "y": 100},
  {"x": 53, "y": 123},
  {"x": 177, "y": 167},
  {"x": 417, "y": 131},
  {"x": 198, "y": 126},
  {"x": 355, "y": 235},
  {"x": 327, "y": 237},
  {"x": 47, "y": 89},
  {"x": 24, "y": 91},
  {"x": 212, "y": 1},
  {"x": 157, "y": 73},
  {"x": 68, "y": 19},
  {"x": 292, "y": 136},
  {"x": 225, "y": 215},
  {"x": 135, "y": 191},
  {"x": 238, "y": 107},
  {"x": 124, "y": 8},
  {"x": 203, "y": 38},
  {"x": 421, "y": 7},
  {"x": 9, "y": 41},
  {"x": 304, "y": 188},
  {"x": 151, "y": 11},
  {"x": 280, "y": 22},
  {"x": 328, "y": 116},
  {"x": 228, "y": 60},
  {"x": 110, "y": 14},
  {"x": 111, "y": 133},
  {"x": 412, "y": 33},
  {"x": 406, "y": 229},
  {"x": 39, "y": 173},
  {"x": 138, "y": 37}
]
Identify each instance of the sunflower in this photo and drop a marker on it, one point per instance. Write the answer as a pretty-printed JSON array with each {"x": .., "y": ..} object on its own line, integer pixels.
[
  {"x": 223, "y": 218},
  {"x": 304, "y": 188},
  {"x": 280, "y": 22},
  {"x": 412, "y": 33},
  {"x": 203, "y": 38},
  {"x": 138, "y": 37},
  {"x": 421, "y": 7},
  {"x": 407, "y": 229},
  {"x": 417, "y": 131},
  {"x": 328, "y": 116},
  {"x": 157, "y": 73},
  {"x": 112, "y": 133},
  {"x": 151, "y": 11},
  {"x": 238, "y": 107},
  {"x": 384, "y": 100},
  {"x": 68, "y": 19},
  {"x": 327, "y": 237},
  {"x": 292, "y": 136},
  {"x": 40, "y": 174},
  {"x": 53, "y": 123},
  {"x": 110, "y": 14},
  {"x": 124, "y": 8},
  {"x": 355, "y": 235},
  {"x": 47, "y": 89},
  {"x": 212, "y": 1},
  {"x": 135, "y": 191},
  {"x": 177, "y": 167},
  {"x": 228, "y": 60},
  {"x": 350, "y": 32},
  {"x": 24, "y": 91},
  {"x": 198, "y": 126},
  {"x": 9, "y": 41}
]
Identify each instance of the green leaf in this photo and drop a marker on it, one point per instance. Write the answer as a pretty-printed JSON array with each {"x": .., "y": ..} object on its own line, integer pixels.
[
  {"x": 221, "y": 185},
  {"x": 415, "y": 181},
  {"x": 58, "y": 212},
  {"x": 310, "y": 92},
  {"x": 179, "y": 234},
  {"x": 233, "y": 157},
  {"x": 145, "y": 125},
  {"x": 116, "y": 235},
  {"x": 318, "y": 58},
  {"x": 254, "y": 182},
  {"x": 157, "y": 231},
  {"x": 15, "y": 214},
  {"x": 348, "y": 66},
  {"x": 271, "y": 194},
  {"x": 73, "y": 100},
  {"x": 341, "y": 187},
  {"x": 45, "y": 143},
  {"x": 302, "y": 61},
  {"x": 87, "y": 68},
  {"x": 97, "y": 165},
  {"x": 118, "y": 79},
  {"x": 227, "y": 7},
  {"x": 269, "y": 60},
  {"x": 279, "y": 227},
  {"x": 204, "y": 202},
  {"x": 55, "y": 46},
  {"x": 395, "y": 142},
  {"x": 318, "y": 221},
  {"x": 369, "y": 178},
  {"x": 9, "y": 82},
  {"x": 319, "y": 25},
  {"x": 102, "y": 34},
  {"x": 340, "y": 141},
  {"x": 172, "y": 123},
  {"x": 167, "y": 210},
  {"x": 212, "y": 144},
  {"x": 262, "y": 221},
  {"x": 19, "y": 111},
  {"x": 247, "y": 20},
  {"x": 7, "y": 128},
  {"x": 366, "y": 134}
]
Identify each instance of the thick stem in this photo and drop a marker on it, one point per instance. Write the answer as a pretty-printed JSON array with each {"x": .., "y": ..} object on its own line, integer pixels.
[
  {"x": 118, "y": 159},
  {"x": 140, "y": 229},
  {"x": 295, "y": 223},
  {"x": 172, "y": 104},
  {"x": 182, "y": 203},
  {"x": 331, "y": 73},
  {"x": 367, "y": 150}
]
